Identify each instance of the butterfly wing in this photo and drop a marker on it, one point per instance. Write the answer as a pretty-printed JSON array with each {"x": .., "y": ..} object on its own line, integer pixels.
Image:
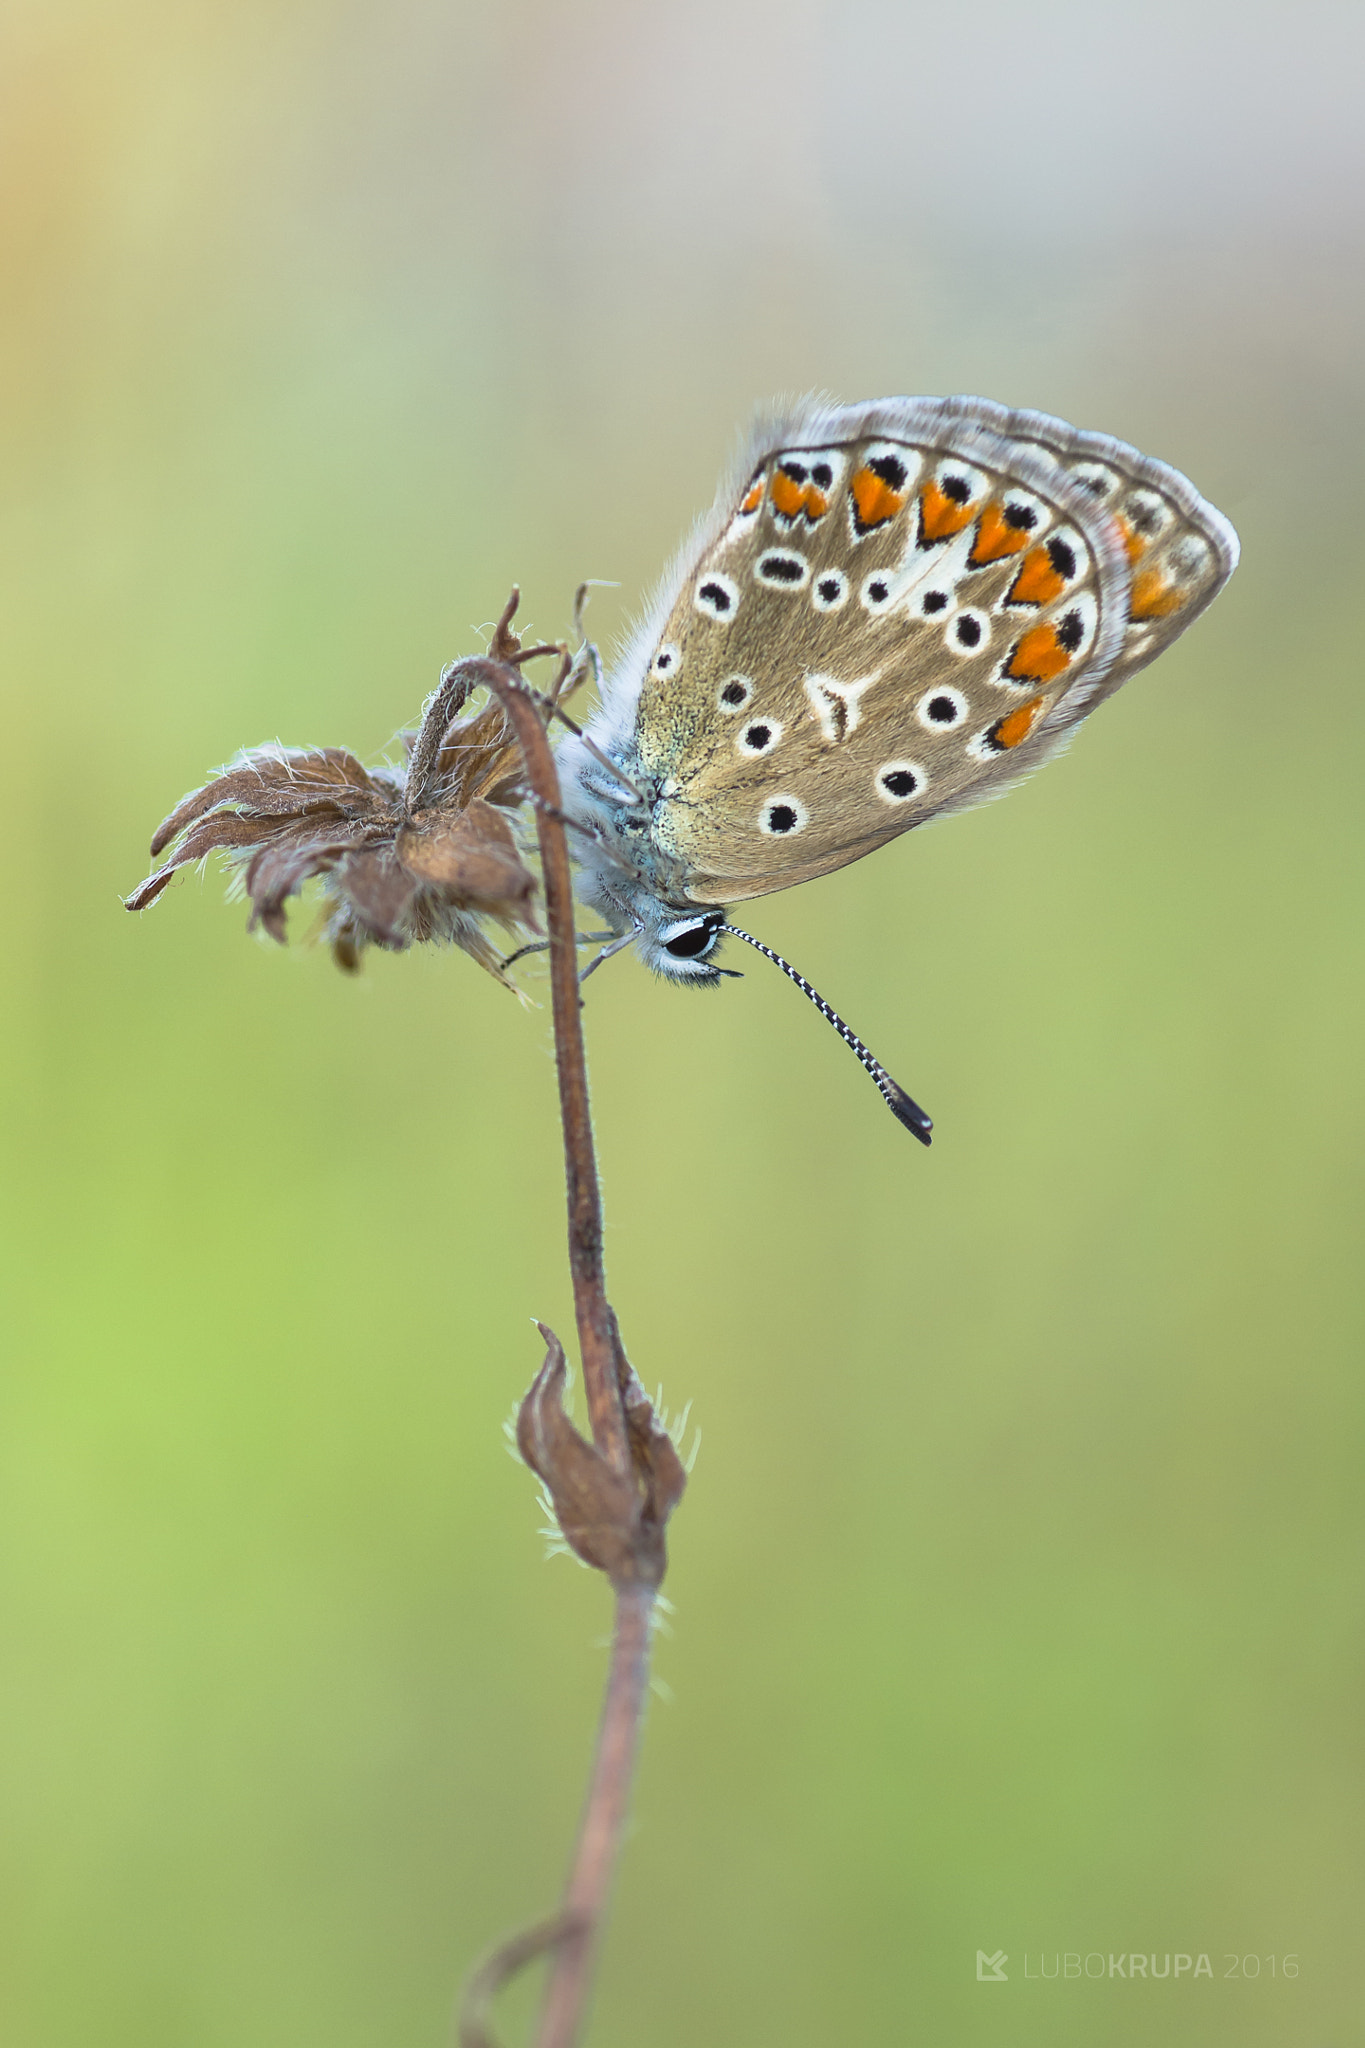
[
  {"x": 1180, "y": 549},
  {"x": 894, "y": 610}
]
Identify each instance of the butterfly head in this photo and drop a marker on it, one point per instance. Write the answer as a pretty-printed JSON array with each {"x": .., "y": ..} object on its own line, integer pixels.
[
  {"x": 679, "y": 946},
  {"x": 682, "y": 948}
]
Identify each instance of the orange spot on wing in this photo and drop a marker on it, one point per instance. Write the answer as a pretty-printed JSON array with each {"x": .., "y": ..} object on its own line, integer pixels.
[
  {"x": 1037, "y": 582},
  {"x": 1038, "y": 657},
  {"x": 754, "y": 496},
  {"x": 1131, "y": 538},
  {"x": 940, "y": 517},
  {"x": 1016, "y": 726},
  {"x": 1154, "y": 597},
  {"x": 787, "y": 495},
  {"x": 874, "y": 499},
  {"x": 790, "y": 497},
  {"x": 996, "y": 538}
]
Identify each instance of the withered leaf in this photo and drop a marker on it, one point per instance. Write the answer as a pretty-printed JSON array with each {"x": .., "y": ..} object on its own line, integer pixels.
[
  {"x": 471, "y": 854},
  {"x": 277, "y": 871},
  {"x": 379, "y": 888},
  {"x": 272, "y": 784}
]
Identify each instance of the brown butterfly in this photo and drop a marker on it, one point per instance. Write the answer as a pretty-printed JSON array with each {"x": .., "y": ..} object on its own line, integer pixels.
[{"x": 892, "y": 610}]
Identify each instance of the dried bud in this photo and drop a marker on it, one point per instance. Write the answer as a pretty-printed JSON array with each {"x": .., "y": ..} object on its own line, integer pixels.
[{"x": 613, "y": 1520}]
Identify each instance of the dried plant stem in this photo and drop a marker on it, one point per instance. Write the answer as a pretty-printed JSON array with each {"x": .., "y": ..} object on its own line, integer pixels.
[
  {"x": 596, "y": 1329},
  {"x": 572, "y": 1937},
  {"x": 604, "y": 1819}
]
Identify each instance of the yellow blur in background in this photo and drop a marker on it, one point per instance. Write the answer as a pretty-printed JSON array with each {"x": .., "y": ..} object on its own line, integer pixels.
[{"x": 1018, "y": 1586}]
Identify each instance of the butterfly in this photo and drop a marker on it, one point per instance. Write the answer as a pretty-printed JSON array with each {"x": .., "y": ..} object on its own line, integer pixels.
[{"x": 892, "y": 610}]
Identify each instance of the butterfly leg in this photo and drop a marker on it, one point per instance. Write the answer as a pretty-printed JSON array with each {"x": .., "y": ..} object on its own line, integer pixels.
[
  {"x": 543, "y": 946},
  {"x": 588, "y": 660},
  {"x": 605, "y": 954},
  {"x": 559, "y": 817},
  {"x": 587, "y": 663}
]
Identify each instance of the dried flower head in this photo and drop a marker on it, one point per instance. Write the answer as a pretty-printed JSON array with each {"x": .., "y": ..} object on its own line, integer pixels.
[{"x": 426, "y": 851}]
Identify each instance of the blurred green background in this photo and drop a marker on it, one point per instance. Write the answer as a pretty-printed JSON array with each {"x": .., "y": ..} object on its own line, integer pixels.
[{"x": 1018, "y": 1588}]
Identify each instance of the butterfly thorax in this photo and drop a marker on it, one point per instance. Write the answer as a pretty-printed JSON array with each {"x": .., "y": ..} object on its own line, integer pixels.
[{"x": 626, "y": 873}]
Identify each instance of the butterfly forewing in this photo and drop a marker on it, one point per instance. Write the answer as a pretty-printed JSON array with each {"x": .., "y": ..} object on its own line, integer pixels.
[{"x": 882, "y": 622}]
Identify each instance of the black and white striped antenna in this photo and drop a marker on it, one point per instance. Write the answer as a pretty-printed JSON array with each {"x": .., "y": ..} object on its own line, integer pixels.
[{"x": 901, "y": 1105}]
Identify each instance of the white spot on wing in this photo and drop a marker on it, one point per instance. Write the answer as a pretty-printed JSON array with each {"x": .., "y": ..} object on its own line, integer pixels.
[
  {"x": 716, "y": 596},
  {"x": 782, "y": 817},
  {"x": 782, "y": 569},
  {"x": 878, "y": 592},
  {"x": 898, "y": 781},
  {"x": 760, "y": 737},
  {"x": 941, "y": 709},
  {"x": 1098, "y": 479},
  {"x": 829, "y": 593},
  {"x": 837, "y": 704},
  {"x": 734, "y": 693},
  {"x": 968, "y": 632}
]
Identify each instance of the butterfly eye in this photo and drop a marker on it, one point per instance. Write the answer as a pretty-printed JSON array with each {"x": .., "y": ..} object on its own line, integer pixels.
[
  {"x": 692, "y": 941},
  {"x": 968, "y": 632},
  {"x": 760, "y": 737},
  {"x": 717, "y": 597},
  {"x": 781, "y": 816},
  {"x": 942, "y": 710},
  {"x": 898, "y": 781},
  {"x": 831, "y": 591}
]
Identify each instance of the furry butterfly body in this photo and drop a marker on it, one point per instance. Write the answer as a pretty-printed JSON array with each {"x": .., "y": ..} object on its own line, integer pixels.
[{"x": 892, "y": 610}]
